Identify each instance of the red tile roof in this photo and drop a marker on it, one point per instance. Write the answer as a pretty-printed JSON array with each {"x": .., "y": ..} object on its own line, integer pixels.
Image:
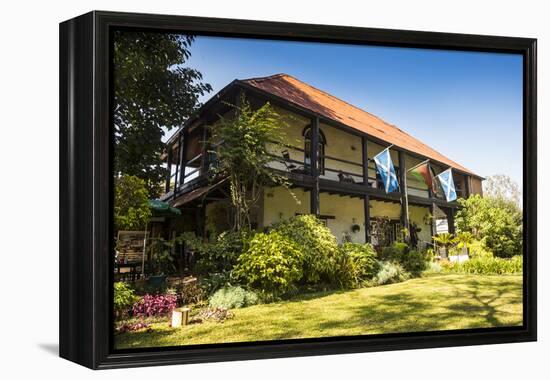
[{"x": 306, "y": 96}]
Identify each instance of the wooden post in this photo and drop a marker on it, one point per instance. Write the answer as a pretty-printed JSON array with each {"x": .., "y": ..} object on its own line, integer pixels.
[
  {"x": 434, "y": 228},
  {"x": 404, "y": 195},
  {"x": 451, "y": 220},
  {"x": 169, "y": 168},
  {"x": 178, "y": 161},
  {"x": 365, "y": 161},
  {"x": 466, "y": 186},
  {"x": 183, "y": 156},
  {"x": 313, "y": 158},
  {"x": 366, "y": 205},
  {"x": 204, "y": 163}
]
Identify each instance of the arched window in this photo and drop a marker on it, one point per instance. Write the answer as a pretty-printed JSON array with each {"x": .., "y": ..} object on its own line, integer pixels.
[{"x": 320, "y": 150}]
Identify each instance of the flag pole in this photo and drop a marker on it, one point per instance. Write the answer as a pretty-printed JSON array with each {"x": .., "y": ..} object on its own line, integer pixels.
[
  {"x": 386, "y": 148},
  {"x": 405, "y": 197},
  {"x": 407, "y": 209}
]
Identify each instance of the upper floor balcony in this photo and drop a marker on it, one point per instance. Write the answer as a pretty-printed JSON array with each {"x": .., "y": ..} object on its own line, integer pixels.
[{"x": 344, "y": 160}]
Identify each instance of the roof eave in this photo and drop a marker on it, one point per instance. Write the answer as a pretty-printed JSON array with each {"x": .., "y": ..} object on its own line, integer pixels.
[{"x": 202, "y": 109}]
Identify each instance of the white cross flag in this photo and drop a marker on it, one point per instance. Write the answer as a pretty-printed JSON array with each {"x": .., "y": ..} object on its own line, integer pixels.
[
  {"x": 386, "y": 170},
  {"x": 447, "y": 184}
]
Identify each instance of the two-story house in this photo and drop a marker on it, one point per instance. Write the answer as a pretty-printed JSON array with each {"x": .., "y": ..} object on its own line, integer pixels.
[{"x": 328, "y": 161}]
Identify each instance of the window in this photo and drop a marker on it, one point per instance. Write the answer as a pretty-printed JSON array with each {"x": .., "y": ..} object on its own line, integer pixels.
[{"x": 320, "y": 150}]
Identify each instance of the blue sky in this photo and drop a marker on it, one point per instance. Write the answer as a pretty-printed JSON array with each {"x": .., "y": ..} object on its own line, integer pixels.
[{"x": 467, "y": 105}]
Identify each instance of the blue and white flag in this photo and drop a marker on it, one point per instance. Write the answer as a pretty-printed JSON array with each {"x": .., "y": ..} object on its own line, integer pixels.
[
  {"x": 386, "y": 171},
  {"x": 447, "y": 184}
]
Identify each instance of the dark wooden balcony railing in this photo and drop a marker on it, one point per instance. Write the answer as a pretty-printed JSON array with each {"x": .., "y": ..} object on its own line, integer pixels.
[{"x": 291, "y": 159}]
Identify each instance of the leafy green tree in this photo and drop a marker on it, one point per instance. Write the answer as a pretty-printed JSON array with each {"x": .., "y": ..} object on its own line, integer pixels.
[
  {"x": 131, "y": 204},
  {"x": 498, "y": 222},
  {"x": 243, "y": 158},
  {"x": 153, "y": 93}
]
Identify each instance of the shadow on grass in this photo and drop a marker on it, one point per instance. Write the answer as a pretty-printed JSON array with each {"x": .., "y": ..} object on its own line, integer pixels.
[{"x": 406, "y": 311}]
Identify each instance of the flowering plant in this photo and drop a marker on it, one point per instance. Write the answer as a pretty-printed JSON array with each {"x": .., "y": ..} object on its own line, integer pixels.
[{"x": 154, "y": 304}]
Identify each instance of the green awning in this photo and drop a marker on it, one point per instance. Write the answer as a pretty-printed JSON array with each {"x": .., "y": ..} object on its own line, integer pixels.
[{"x": 162, "y": 208}]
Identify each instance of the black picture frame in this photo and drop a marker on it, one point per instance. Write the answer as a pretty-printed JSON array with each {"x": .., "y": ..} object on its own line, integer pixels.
[{"x": 86, "y": 189}]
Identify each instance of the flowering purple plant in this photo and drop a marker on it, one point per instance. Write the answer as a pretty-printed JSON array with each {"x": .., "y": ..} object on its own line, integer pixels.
[{"x": 154, "y": 304}]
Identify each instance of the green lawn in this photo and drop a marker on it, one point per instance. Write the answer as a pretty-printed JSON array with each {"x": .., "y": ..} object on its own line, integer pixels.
[{"x": 438, "y": 302}]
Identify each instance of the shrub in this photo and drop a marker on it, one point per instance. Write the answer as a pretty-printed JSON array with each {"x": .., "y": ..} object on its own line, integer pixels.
[
  {"x": 272, "y": 263},
  {"x": 413, "y": 261},
  {"x": 434, "y": 267},
  {"x": 215, "y": 281},
  {"x": 161, "y": 260},
  {"x": 477, "y": 248},
  {"x": 317, "y": 243},
  {"x": 191, "y": 293},
  {"x": 356, "y": 264},
  {"x": 394, "y": 252},
  {"x": 233, "y": 297},
  {"x": 124, "y": 298},
  {"x": 152, "y": 305},
  {"x": 486, "y": 266},
  {"x": 390, "y": 273},
  {"x": 345, "y": 273},
  {"x": 221, "y": 254}
]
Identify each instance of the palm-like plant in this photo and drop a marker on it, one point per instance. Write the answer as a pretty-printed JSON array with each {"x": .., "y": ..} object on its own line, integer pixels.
[
  {"x": 446, "y": 239},
  {"x": 464, "y": 239}
]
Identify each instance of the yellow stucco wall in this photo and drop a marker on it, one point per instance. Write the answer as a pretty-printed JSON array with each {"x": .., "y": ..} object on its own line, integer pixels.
[
  {"x": 390, "y": 210},
  {"x": 338, "y": 144},
  {"x": 347, "y": 211},
  {"x": 292, "y": 126},
  {"x": 345, "y": 146},
  {"x": 418, "y": 215},
  {"x": 278, "y": 204}
]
